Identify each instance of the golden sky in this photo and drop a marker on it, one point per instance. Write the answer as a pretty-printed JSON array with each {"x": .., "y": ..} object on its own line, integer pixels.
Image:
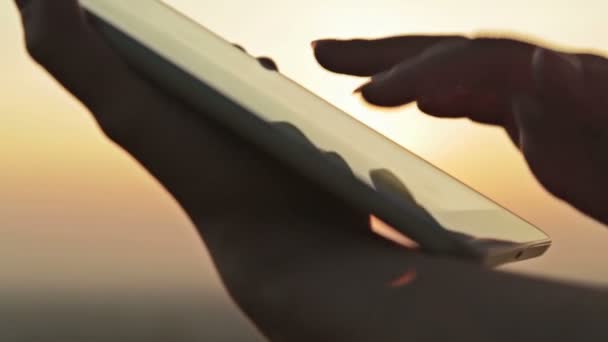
[{"x": 74, "y": 208}]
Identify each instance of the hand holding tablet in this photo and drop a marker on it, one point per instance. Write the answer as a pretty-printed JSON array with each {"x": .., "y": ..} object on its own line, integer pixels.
[
  {"x": 293, "y": 252},
  {"x": 223, "y": 77}
]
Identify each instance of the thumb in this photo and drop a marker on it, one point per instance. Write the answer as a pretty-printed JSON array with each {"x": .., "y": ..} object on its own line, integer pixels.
[
  {"x": 531, "y": 121},
  {"x": 60, "y": 39},
  {"x": 558, "y": 90}
]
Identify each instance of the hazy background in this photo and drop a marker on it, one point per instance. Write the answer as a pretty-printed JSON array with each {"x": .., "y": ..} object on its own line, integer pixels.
[{"x": 87, "y": 235}]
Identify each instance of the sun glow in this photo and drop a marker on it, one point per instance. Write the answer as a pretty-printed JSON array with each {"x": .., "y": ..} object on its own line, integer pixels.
[{"x": 50, "y": 141}]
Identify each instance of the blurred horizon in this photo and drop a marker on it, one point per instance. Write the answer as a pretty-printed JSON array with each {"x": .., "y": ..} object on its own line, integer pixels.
[{"x": 77, "y": 215}]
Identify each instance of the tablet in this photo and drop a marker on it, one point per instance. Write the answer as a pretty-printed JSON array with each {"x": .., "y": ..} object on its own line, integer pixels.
[{"x": 441, "y": 214}]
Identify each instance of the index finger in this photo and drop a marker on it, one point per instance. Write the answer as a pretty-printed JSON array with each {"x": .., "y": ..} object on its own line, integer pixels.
[
  {"x": 361, "y": 57},
  {"x": 482, "y": 65}
]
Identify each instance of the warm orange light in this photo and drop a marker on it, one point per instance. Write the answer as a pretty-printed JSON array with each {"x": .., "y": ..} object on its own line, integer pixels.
[
  {"x": 405, "y": 279},
  {"x": 385, "y": 230}
]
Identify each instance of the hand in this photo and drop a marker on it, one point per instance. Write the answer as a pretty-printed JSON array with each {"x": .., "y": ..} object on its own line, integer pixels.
[
  {"x": 302, "y": 265},
  {"x": 553, "y": 105},
  {"x": 268, "y": 229},
  {"x": 213, "y": 173}
]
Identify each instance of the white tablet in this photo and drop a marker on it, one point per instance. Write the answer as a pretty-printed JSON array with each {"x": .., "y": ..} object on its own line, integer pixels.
[{"x": 441, "y": 214}]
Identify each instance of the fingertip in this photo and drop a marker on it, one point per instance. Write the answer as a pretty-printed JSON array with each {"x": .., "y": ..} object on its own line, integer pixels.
[
  {"x": 376, "y": 96},
  {"x": 359, "y": 89},
  {"x": 268, "y": 63},
  {"x": 325, "y": 54},
  {"x": 316, "y": 43},
  {"x": 428, "y": 105},
  {"x": 322, "y": 42},
  {"x": 373, "y": 94},
  {"x": 385, "y": 91},
  {"x": 385, "y": 179},
  {"x": 350, "y": 57},
  {"x": 240, "y": 47},
  {"x": 449, "y": 105}
]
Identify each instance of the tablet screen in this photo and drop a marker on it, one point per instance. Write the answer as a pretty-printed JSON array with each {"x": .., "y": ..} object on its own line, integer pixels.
[{"x": 373, "y": 158}]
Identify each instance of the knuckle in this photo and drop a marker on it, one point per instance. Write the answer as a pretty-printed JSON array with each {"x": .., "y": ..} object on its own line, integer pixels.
[
  {"x": 122, "y": 107},
  {"x": 501, "y": 45},
  {"x": 38, "y": 46},
  {"x": 118, "y": 123},
  {"x": 121, "y": 131}
]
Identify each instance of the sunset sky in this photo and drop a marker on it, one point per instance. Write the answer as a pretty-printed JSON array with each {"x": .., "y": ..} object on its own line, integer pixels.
[{"x": 77, "y": 212}]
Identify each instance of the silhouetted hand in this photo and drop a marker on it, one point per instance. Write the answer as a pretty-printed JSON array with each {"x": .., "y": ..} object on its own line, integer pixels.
[
  {"x": 302, "y": 265},
  {"x": 554, "y": 105},
  {"x": 269, "y": 230}
]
